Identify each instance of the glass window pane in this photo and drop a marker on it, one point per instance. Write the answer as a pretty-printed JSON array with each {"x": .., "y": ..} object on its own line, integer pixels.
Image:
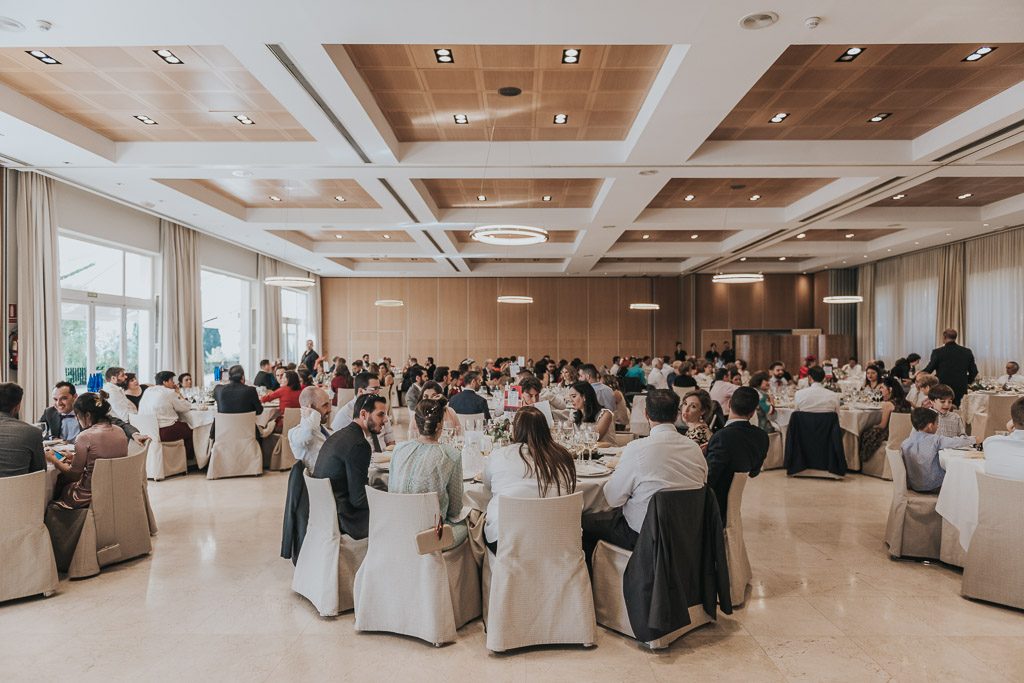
[
  {"x": 90, "y": 267},
  {"x": 225, "y": 299},
  {"x": 107, "y": 336},
  {"x": 139, "y": 344},
  {"x": 138, "y": 275},
  {"x": 74, "y": 330}
]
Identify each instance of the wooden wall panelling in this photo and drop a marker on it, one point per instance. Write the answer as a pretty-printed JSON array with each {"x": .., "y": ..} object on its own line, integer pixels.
[
  {"x": 779, "y": 301},
  {"x": 759, "y": 350},
  {"x": 712, "y": 304},
  {"x": 362, "y": 317},
  {"x": 789, "y": 353},
  {"x": 542, "y": 316},
  {"x": 804, "y": 301},
  {"x": 808, "y": 347},
  {"x": 603, "y": 320},
  {"x": 421, "y": 336},
  {"x": 668, "y": 320},
  {"x": 391, "y": 343},
  {"x": 820, "y": 291},
  {"x": 483, "y": 319},
  {"x": 573, "y": 306},
  {"x": 334, "y": 317},
  {"x": 635, "y": 327},
  {"x": 452, "y": 315},
  {"x": 364, "y": 341},
  {"x": 839, "y": 346},
  {"x": 745, "y": 306},
  {"x": 513, "y": 319}
]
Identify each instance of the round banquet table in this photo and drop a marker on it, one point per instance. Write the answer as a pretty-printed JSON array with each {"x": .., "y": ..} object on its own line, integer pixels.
[
  {"x": 851, "y": 384},
  {"x": 958, "y": 497},
  {"x": 852, "y": 420}
]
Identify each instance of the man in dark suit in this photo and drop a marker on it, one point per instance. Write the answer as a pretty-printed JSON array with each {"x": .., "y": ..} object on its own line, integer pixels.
[
  {"x": 21, "y": 444},
  {"x": 310, "y": 357},
  {"x": 235, "y": 397},
  {"x": 345, "y": 460},
  {"x": 265, "y": 378},
  {"x": 737, "y": 447},
  {"x": 467, "y": 401},
  {"x": 953, "y": 364},
  {"x": 62, "y": 421}
]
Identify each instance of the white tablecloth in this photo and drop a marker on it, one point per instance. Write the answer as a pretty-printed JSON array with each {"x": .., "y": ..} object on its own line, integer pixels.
[
  {"x": 850, "y": 384},
  {"x": 958, "y": 498}
]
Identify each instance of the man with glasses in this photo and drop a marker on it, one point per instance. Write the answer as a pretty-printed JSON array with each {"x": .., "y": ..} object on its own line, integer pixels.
[{"x": 365, "y": 383}]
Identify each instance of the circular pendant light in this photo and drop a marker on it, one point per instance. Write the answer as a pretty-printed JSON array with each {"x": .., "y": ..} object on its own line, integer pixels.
[
  {"x": 645, "y": 307},
  {"x": 849, "y": 299},
  {"x": 289, "y": 281},
  {"x": 389, "y": 303},
  {"x": 515, "y": 299},
  {"x": 509, "y": 235},
  {"x": 737, "y": 278}
]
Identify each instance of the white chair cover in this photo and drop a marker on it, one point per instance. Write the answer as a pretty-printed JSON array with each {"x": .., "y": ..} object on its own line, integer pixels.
[
  {"x": 995, "y": 559},
  {"x": 344, "y": 396},
  {"x": 400, "y": 591},
  {"x": 735, "y": 548},
  {"x": 776, "y": 457},
  {"x": 994, "y": 417},
  {"x": 463, "y": 419},
  {"x": 27, "y": 566},
  {"x": 914, "y": 528},
  {"x": 878, "y": 464},
  {"x": 328, "y": 561},
  {"x": 282, "y": 457},
  {"x": 236, "y": 453},
  {"x": 162, "y": 459},
  {"x": 537, "y": 588}
]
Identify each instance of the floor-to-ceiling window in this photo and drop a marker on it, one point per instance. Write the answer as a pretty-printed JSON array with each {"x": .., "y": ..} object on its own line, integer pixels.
[
  {"x": 226, "y": 327},
  {"x": 294, "y": 316}
]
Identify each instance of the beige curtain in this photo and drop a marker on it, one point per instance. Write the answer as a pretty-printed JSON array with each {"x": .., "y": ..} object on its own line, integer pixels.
[
  {"x": 181, "y": 314},
  {"x": 866, "y": 314},
  {"x": 315, "y": 332},
  {"x": 995, "y": 300},
  {"x": 906, "y": 296},
  {"x": 269, "y": 342},
  {"x": 40, "y": 360},
  {"x": 951, "y": 293}
]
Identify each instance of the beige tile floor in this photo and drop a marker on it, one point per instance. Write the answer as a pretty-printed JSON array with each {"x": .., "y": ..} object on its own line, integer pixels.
[{"x": 213, "y": 602}]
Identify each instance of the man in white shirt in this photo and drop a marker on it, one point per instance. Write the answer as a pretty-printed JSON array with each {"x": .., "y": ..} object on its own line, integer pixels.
[
  {"x": 1004, "y": 455},
  {"x": 815, "y": 398},
  {"x": 309, "y": 435},
  {"x": 114, "y": 379},
  {"x": 777, "y": 379},
  {"x": 664, "y": 460},
  {"x": 724, "y": 387},
  {"x": 1012, "y": 376},
  {"x": 614, "y": 369},
  {"x": 164, "y": 401},
  {"x": 605, "y": 395},
  {"x": 364, "y": 383},
  {"x": 656, "y": 377}
]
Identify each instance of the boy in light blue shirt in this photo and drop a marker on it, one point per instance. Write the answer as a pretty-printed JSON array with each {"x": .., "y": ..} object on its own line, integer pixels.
[{"x": 921, "y": 451}]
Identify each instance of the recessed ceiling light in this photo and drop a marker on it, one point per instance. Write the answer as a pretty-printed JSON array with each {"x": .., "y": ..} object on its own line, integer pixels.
[
  {"x": 481, "y": 198},
  {"x": 801, "y": 235},
  {"x": 571, "y": 55},
  {"x": 851, "y": 54},
  {"x": 888, "y": 249},
  {"x": 965, "y": 195},
  {"x": 444, "y": 55},
  {"x": 754, "y": 197},
  {"x": 387, "y": 236},
  {"x": 898, "y": 196},
  {"x": 917, "y": 243},
  {"x": 338, "y": 198},
  {"x": 689, "y": 198},
  {"x": 849, "y": 235},
  {"x": 948, "y": 234},
  {"x": 242, "y": 174},
  {"x": 546, "y": 198},
  {"x": 274, "y": 198},
  {"x": 693, "y": 237},
  {"x": 778, "y": 118},
  {"x": 758, "y": 20},
  {"x": 561, "y": 118},
  {"x": 168, "y": 56},
  {"x": 145, "y": 119},
  {"x": 646, "y": 237},
  {"x": 977, "y": 54},
  {"x": 461, "y": 119},
  {"x": 244, "y": 120},
  {"x": 880, "y": 117},
  {"x": 42, "y": 56},
  {"x": 984, "y": 225},
  {"x": 782, "y": 258},
  {"x": 743, "y": 258}
]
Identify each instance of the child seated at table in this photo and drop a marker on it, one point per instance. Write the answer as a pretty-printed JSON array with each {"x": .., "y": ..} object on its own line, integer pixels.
[
  {"x": 950, "y": 423},
  {"x": 920, "y": 451},
  {"x": 918, "y": 394}
]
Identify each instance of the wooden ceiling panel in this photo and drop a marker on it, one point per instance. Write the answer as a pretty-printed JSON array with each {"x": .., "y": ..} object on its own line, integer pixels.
[
  {"x": 559, "y": 236},
  {"x": 508, "y": 193},
  {"x": 383, "y": 259},
  {"x": 255, "y": 193},
  {"x": 665, "y": 236},
  {"x": 104, "y": 88},
  {"x": 406, "y": 78},
  {"x": 839, "y": 235},
  {"x": 902, "y": 80},
  {"x": 482, "y": 261},
  {"x": 718, "y": 193},
  {"x": 944, "y": 192},
  {"x": 776, "y": 259},
  {"x": 350, "y": 236}
]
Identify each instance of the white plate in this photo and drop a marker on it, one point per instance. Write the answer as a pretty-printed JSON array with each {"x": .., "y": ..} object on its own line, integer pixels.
[{"x": 591, "y": 469}]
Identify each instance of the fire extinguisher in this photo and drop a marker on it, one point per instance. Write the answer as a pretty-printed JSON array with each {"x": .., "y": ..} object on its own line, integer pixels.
[{"x": 12, "y": 344}]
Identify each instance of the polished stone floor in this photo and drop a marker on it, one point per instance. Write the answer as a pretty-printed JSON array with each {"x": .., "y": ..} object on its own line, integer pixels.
[{"x": 213, "y": 602}]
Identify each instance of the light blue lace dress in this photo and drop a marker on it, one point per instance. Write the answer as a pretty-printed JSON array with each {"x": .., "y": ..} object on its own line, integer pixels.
[{"x": 424, "y": 467}]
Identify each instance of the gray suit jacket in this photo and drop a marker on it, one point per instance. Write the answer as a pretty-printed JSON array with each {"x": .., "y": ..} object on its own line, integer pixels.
[{"x": 21, "y": 447}]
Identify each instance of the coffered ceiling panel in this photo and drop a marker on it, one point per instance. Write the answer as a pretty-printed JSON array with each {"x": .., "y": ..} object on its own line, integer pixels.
[
  {"x": 105, "y": 88},
  {"x": 947, "y": 192},
  {"x": 662, "y": 236},
  {"x": 562, "y": 236},
  {"x": 839, "y": 235},
  {"x": 918, "y": 86},
  {"x": 776, "y": 259},
  {"x": 296, "y": 194},
  {"x": 600, "y": 94},
  {"x": 513, "y": 193},
  {"x": 718, "y": 193},
  {"x": 482, "y": 261},
  {"x": 639, "y": 260},
  {"x": 349, "y": 236},
  {"x": 383, "y": 259}
]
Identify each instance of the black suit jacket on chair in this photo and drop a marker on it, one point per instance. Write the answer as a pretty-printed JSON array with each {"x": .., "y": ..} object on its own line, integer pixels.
[
  {"x": 345, "y": 460},
  {"x": 235, "y": 398},
  {"x": 738, "y": 447},
  {"x": 954, "y": 366}
]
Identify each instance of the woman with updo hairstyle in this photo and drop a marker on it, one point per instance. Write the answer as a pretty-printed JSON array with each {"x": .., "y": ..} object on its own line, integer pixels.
[
  {"x": 98, "y": 439},
  {"x": 425, "y": 465}
]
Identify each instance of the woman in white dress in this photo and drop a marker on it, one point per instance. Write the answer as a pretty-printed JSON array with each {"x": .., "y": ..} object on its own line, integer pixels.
[{"x": 587, "y": 411}]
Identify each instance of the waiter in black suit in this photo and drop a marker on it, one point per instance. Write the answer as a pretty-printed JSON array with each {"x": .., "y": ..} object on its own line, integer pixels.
[
  {"x": 737, "y": 447},
  {"x": 953, "y": 364},
  {"x": 345, "y": 460},
  {"x": 310, "y": 357}
]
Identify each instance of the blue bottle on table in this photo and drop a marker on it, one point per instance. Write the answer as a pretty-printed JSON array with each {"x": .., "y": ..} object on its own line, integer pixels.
[{"x": 216, "y": 373}]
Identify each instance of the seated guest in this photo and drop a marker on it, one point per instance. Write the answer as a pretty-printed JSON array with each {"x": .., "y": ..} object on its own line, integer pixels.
[
  {"x": 569, "y": 376},
  {"x": 950, "y": 423},
  {"x": 415, "y": 388},
  {"x": 635, "y": 370},
  {"x": 765, "y": 407},
  {"x": 467, "y": 401},
  {"x": 738, "y": 447},
  {"x": 741, "y": 365},
  {"x": 21, "y": 444},
  {"x": 672, "y": 371},
  {"x": 114, "y": 382},
  {"x": 663, "y": 460},
  {"x": 903, "y": 370},
  {"x": 307, "y": 437},
  {"x": 235, "y": 397},
  {"x": 605, "y": 395},
  {"x": 342, "y": 379},
  {"x": 1004, "y": 455},
  {"x": 621, "y": 412},
  {"x": 723, "y": 388},
  {"x": 1012, "y": 377},
  {"x": 920, "y": 451},
  {"x": 133, "y": 390},
  {"x": 287, "y": 396},
  {"x": 815, "y": 398},
  {"x": 809, "y": 362},
  {"x": 697, "y": 410},
  {"x": 365, "y": 383},
  {"x": 98, "y": 439},
  {"x": 184, "y": 381},
  {"x": 780, "y": 379},
  {"x": 923, "y": 384},
  {"x": 587, "y": 411},
  {"x": 442, "y": 377},
  {"x": 164, "y": 401},
  {"x": 280, "y": 377},
  {"x": 705, "y": 376},
  {"x": 433, "y": 390},
  {"x": 872, "y": 378},
  {"x": 345, "y": 460},
  {"x": 60, "y": 417},
  {"x": 852, "y": 367},
  {"x": 684, "y": 378},
  {"x": 424, "y": 465},
  {"x": 264, "y": 378},
  {"x": 386, "y": 377},
  {"x": 305, "y": 376},
  {"x": 656, "y": 377},
  {"x": 532, "y": 466},
  {"x": 893, "y": 401}
]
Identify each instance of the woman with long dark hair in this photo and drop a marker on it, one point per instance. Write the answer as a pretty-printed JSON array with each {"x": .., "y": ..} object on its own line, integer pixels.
[
  {"x": 587, "y": 411},
  {"x": 98, "y": 439},
  {"x": 287, "y": 395},
  {"x": 532, "y": 466},
  {"x": 893, "y": 401}
]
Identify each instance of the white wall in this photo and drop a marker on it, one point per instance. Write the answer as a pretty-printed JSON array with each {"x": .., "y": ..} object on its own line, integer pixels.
[
  {"x": 227, "y": 257},
  {"x": 88, "y": 214}
]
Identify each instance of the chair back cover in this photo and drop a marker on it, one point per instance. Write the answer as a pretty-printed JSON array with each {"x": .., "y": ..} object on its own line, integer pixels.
[
  {"x": 540, "y": 590},
  {"x": 998, "y": 414},
  {"x": 735, "y": 547},
  {"x": 27, "y": 566},
  {"x": 994, "y": 570},
  {"x": 345, "y": 395},
  {"x": 282, "y": 457},
  {"x": 236, "y": 453},
  {"x": 914, "y": 528},
  {"x": 814, "y": 442},
  {"x": 899, "y": 429},
  {"x": 162, "y": 459},
  {"x": 463, "y": 419}
]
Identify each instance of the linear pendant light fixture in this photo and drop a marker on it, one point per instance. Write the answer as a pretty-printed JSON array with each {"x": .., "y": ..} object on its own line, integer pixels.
[
  {"x": 645, "y": 307},
  {"x": 509, "y": 235},
  {"x": 737, "y": 278},
  {"x": 389, "y": 303},
  {"x": 289, "y": 281},
  {"x": 511, "y": 299},
  {"x": 846, "y": 299}
]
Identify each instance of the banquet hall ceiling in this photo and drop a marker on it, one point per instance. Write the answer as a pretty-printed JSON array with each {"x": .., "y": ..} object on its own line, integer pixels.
[{"x": 334, "y": 139}]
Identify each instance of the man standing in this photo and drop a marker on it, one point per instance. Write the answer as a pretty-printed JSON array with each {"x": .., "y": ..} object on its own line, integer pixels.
[
  {"x": 21, "y": 444},
  {"x": 344, "y": 458},
  {"x": 468, "y": 401},
  {"x": 711, "y": 355},
  {"x": 953, "y": 364},
  {"x": 308, "y": 437},
  {"x": 62, "y": 421},
  {"x": 165, "y": 402},
  {"x": 605, "y": 395},
  {"x": 114, "y": 380},
  {"x": 728, "y": 353},
  {"x": 264, "y": 378},
  {"x": 364, "y": 383},
  {"x": 737, "y": 447},
  {"x": 310, "y": 357},
  {"x": 815, "y": 398}
]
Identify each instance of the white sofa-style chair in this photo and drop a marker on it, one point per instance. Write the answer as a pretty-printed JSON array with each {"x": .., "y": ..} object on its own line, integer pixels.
[
  {"x": 27, "y": 566},
  {"x": 328, "y": 560},
  {"x": 397, "y": 590},
  {"x": 914, "y": 528},
  {"x": 536, "y": 589},
  {"x": 994, "y": 570},
  {"x": 735, "y": 548},
  {"x": 236, "y": 453},
  {"x": 163, "y": 459}
]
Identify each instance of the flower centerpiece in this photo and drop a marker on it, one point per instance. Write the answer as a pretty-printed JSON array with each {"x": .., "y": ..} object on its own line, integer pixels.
[{"x": 500, "y": 430}]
